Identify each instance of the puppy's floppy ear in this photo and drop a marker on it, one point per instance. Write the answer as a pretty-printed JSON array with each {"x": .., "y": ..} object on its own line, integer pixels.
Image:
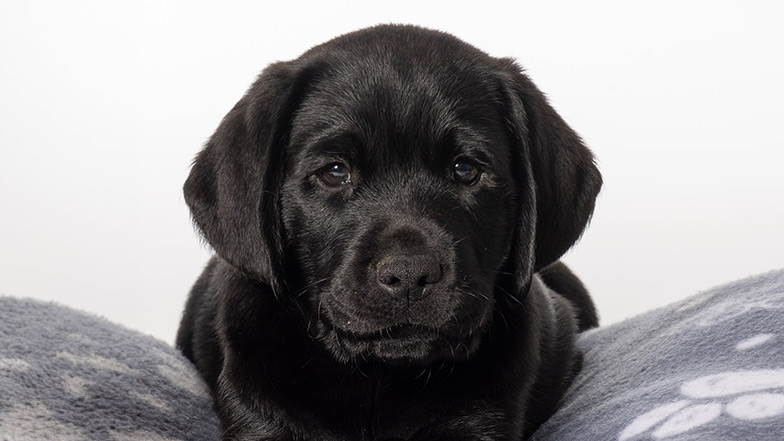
[
  {"x": 233, "y": 187},
  {"x": 565, "y": 177}
]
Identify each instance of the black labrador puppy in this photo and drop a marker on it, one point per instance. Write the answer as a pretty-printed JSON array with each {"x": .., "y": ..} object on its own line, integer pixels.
[{"x": 387, "y": 212}]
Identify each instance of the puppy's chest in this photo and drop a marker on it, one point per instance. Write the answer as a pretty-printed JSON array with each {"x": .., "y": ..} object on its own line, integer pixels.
[
  {"x": 372, "y": 411},
  {"x": 398, "y": 411}
]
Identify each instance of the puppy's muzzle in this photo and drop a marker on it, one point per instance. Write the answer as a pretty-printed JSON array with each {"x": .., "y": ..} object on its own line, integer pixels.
[{"x": 408, "y": 277}]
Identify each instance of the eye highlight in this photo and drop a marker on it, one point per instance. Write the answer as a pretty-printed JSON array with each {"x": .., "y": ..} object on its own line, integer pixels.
[
  {"x": 466, "y": 172},
  {"x": 335, "y": 174}
]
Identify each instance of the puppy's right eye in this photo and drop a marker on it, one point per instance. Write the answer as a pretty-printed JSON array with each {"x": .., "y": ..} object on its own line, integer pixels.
[
  {"x": 335, "y": 174},
  {"x": 466, "y": 173}
]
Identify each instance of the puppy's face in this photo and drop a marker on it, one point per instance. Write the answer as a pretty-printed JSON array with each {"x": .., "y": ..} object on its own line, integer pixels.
[
  {"x": 398, "y": 186},
  {"x": 398, "y": 205}
]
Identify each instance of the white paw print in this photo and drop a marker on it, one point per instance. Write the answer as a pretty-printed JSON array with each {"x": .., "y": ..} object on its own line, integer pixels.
[{"x": 746, "y": 395}]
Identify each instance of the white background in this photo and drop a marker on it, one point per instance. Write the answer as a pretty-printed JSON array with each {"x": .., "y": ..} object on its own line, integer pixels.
[{"x": 104, "y": 104}]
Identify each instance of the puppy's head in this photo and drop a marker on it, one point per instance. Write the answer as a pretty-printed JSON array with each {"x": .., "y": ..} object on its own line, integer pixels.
[{"x": 398, "y": 186}]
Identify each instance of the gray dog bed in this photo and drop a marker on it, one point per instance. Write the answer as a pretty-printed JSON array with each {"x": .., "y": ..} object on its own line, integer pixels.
[
  {"x": 67, "y": 375},
  {"x": 707, "y": 368}
]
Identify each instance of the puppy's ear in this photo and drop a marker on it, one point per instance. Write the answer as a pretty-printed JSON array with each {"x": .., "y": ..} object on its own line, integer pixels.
[
  {"x": 233, "y": 187},
  {"x": 566, "y": 180}
]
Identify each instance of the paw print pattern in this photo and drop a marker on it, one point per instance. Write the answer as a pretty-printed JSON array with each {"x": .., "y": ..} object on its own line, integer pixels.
[
  {"x": 751, "y": 395},
  {"x": 67, "y": 375}
]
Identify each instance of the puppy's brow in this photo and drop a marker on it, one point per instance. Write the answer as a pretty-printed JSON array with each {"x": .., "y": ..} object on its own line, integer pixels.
[
  {"x": 469, "y": 142},
  {"x": 332, "y": 145}
]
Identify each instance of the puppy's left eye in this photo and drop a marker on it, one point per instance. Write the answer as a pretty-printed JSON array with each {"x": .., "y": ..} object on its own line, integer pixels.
[
  {"x": 466, "y": 173},
  {"x": 335, "y": 174}
]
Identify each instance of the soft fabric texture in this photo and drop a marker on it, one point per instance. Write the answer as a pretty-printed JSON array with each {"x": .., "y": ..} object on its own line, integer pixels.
[
  {"x": 66, "y": 375},
  {"x": 708, "y": 368}
]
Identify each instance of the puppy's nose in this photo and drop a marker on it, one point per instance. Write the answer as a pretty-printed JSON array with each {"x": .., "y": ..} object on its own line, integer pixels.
[{"x": 408, "y": 276}]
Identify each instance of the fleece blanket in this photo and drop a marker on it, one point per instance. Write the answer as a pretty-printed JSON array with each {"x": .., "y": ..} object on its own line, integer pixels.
[
  {"x": 66, "y": 375},
  {"x": 708, "y": 368}
]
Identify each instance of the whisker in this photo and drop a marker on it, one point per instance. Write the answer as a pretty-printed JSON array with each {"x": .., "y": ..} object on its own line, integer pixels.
[
  {"x": 467, "y": 291},
  {"x": 451, "y": 368},
  {"x": 307, "y": 362},
  {"x": 306, "y": 288},
  {"x": 515, "y": 299},
  {"x": 460, "y": 207},
  {"x": 503, "y": 317},
  {"x": 460, "y": 240},
  {"x": 427, "y": 380}
]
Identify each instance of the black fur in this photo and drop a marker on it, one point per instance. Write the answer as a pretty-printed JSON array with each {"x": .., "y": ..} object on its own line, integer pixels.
[{"x": 379, "y": 208}]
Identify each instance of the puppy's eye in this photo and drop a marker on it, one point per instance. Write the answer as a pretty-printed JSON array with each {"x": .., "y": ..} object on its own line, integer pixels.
[
  {"x": 466, "y": 173},
  {"x": 335, "y": 174}
]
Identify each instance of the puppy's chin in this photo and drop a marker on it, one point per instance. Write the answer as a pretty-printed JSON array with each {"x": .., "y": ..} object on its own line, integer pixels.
[
  {"x": 446, "y": 326},
  {"x": 403, "y": 345}
]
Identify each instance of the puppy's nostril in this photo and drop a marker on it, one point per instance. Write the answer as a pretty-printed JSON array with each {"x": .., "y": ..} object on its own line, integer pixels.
[
  {"x": 392, "y": 281},
  {"x": 432, "y": 275},
  {"x": 403, "y": 275}
]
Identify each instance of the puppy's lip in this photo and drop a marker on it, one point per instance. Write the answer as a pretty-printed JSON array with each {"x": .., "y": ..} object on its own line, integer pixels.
[
  {"x": 396, "y": 332},
  {"x": 409, "y": 344},
  {"x": 437, "y": 339}
]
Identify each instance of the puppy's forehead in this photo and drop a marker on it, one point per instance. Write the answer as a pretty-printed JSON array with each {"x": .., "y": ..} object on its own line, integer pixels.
[{"x": 413, "y": 91}]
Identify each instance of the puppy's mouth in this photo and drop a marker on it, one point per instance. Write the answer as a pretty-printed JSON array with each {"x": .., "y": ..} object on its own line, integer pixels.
[{"x": 407, "y": 344}]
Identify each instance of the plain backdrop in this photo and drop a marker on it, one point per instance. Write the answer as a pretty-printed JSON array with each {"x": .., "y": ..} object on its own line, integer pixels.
[{"x": 103, "y": 105}]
